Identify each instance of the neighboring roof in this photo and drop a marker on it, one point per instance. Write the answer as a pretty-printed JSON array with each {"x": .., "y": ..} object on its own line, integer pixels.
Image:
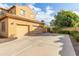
[
  {"x": 11, "y": 7},
  {"x": 7, "y": 8},
  {"x": 3, "y": 9},
  {"x": 19, "y": 18}
]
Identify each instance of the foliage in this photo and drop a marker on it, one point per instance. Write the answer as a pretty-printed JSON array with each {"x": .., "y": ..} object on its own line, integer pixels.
[
  {"x": 43, "y": 22},
  {"x": 75, "y": 35},
  {"x": 45, "y": 26},
  {"x": 65, "y": 19},
  {"x": 52, "y": 23},
  {"x": 59, "y": 30},
  {"x": 76, "y": 25},
  {"x": 56, "y": 29},
  {"x": 64, "y": 32}
]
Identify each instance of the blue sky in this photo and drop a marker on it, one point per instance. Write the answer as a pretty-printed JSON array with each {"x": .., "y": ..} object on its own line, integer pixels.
[{"x": 46, "y": 11}]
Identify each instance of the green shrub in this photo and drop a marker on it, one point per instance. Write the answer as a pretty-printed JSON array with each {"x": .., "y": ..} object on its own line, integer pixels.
[
  {"x": 64, "y": 32},
  {"x": 59, "y": 30},
  {"x": 56, "y": 29},
  {"x": 75, "y": 34}
]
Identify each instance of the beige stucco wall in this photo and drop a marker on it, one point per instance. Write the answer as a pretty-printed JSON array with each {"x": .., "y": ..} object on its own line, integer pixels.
[
  {"x": 12, "y": 25},
  {"x": 29, "y": 12}
]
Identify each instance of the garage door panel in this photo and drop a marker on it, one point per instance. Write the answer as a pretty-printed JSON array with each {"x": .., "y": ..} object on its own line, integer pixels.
[{"x": 21, "y": 30}]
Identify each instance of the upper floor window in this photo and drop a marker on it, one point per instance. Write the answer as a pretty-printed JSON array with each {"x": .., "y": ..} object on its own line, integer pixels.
[
  {"x": 22, "y": 12},
  {"x": 13, "y": 12},
  {"x": 2, "y": 12}
]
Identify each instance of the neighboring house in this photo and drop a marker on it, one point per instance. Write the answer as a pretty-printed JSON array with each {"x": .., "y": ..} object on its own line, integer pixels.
[{"x": 18, "y": 21}]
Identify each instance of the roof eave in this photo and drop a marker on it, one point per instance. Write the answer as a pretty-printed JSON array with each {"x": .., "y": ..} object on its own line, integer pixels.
[{"x": 20, "y": 18}]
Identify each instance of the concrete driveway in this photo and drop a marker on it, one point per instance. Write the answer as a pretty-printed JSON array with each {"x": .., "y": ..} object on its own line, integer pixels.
[{"x": 45, "y": 44}]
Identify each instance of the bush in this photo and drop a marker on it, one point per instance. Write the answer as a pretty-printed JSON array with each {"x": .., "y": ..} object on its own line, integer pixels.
[
  {"x": 64, "y": 32},
  {"x": 59, "y": 30},
  {"x": 75, "y": 34},
  {"x": 56, "y": 29}
]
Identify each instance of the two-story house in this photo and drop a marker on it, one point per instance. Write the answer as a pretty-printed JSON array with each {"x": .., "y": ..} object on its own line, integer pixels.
[{"x": 18, "y": 21}]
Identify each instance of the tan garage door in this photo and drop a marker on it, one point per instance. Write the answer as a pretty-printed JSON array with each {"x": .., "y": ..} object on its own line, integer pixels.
[{"x": 21, "y": 30}]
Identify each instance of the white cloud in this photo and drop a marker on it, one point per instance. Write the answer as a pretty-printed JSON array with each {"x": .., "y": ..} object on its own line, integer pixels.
[
  {"x": 49, "y": 10},
  {"x": 35, "y": 9},
  {"x": 77, "y": 12},
  {"x": 4, "y": 6},
  {"x": 43, "y": 15},
  {"x": 46, "y": 16}
]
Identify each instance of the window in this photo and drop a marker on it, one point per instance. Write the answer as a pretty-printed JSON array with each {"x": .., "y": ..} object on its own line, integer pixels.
[
  {"x": 13, "y": 12},
  {"x": 2, "y": 12},
  {"x": 3, "y": 26},
  {"x": 22, "y": 12}
]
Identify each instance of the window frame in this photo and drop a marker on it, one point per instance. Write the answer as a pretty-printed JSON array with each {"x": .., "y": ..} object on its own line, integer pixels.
[
  {"x": 3, "y": 26},
  {"x": 22, "y": 12}
]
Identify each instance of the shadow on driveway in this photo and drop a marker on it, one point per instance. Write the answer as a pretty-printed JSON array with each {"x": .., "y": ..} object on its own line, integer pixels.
[
  {"x": 3, "y": 39},
  {"x": 67, "y": 47}
]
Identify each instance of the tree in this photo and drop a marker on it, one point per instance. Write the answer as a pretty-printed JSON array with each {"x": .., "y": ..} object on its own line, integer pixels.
[
  {"x": 44, "y": 26},
  {"x": 52, "y": 23},
  {"x": 43, "y": 22},
  {"x": 66, "y": 19}
]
